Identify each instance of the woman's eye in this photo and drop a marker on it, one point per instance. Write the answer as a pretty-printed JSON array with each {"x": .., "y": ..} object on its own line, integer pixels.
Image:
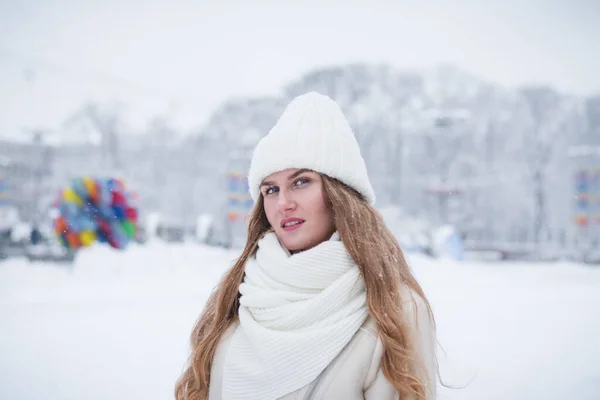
[
  {"x": 301, "y": 181},
  {"x": 270, "y": 190}
]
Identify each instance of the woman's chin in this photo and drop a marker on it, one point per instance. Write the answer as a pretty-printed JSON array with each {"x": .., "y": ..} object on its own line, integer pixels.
[
  {"x": 294, "y": 247},
  {"x": 297, "y": 246}
]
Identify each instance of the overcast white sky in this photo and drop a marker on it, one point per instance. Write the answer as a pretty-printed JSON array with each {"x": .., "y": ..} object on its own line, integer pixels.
[{"x": 182, "y": 59}]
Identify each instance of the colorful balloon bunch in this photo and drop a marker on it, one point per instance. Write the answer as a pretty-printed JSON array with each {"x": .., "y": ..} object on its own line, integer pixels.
[{"x": 95, "y": 209}]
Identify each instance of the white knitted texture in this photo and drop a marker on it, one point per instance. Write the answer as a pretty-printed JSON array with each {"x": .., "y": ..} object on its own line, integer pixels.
[
  {"x": 296, "y": 314},
  {"x": 312, "y": 133}
]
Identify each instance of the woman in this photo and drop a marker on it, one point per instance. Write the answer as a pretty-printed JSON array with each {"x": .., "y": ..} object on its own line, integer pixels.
[{"x": 321, "y": 304}]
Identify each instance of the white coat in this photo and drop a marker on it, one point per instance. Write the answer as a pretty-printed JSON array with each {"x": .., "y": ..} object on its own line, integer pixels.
[{"x": 356, "y": 372}]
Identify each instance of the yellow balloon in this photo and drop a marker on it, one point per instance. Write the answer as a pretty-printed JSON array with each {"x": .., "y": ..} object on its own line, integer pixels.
[
  {"x": 70, "y": 195},
  {"x": 87, "y": 238}
]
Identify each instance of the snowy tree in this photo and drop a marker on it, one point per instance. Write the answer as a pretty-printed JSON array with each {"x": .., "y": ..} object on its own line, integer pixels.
[
  {"x": 591, "y": 133},
  {"x": 104, "y": 123},
  {"x": 547, "y": 117}
]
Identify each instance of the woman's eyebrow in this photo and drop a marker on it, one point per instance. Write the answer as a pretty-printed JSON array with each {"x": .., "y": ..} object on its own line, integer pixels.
[
  {"x": 300, "y": 171},
  {"x": 292, "y": 176}
]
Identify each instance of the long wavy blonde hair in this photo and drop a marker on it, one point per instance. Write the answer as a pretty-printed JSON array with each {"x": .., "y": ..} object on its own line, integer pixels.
[{"x": 383, "y": 267}]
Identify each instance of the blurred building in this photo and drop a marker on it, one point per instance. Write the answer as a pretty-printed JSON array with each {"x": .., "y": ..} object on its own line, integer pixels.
[{"x": 25, "y": 178}]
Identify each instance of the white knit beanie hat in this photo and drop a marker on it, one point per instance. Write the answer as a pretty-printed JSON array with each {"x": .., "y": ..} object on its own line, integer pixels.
[{"x": 312, "y": 133}]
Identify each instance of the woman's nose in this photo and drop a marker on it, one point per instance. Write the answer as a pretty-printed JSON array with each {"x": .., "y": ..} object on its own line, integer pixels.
[{"x": 285, "y": 202}]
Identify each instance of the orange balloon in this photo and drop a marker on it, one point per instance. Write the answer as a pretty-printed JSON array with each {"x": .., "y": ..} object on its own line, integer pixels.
[
  {"x": 60, "y": 225},
  {"x": 73, "y": 239}
]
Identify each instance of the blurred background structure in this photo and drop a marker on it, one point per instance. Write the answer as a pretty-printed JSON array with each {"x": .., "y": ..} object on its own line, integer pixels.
[
  {"x": 479, "y": 123},
  {"x": 468, "y": 114}
]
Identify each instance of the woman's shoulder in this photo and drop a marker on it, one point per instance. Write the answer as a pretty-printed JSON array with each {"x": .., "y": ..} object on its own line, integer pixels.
[
  {"x": 369, "y": 328},
  {"x": 414, "y": 308}
]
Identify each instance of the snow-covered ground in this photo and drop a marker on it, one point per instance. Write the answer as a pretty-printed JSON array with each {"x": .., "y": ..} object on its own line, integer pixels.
[{"x": 116, "y": 325}]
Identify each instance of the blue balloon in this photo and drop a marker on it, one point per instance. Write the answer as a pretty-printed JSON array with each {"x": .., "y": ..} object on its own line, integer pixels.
[
  {"x": 70, "y": 213},
  {"x": 112, "y": 185},
  {"x": 74, "y": 223},
  {"x": 88, "y": 224},
  {"x": 101, "y": 237},
  {"x": 107, "y": 213},
  {"x": 91, "y": 210},
  {"x": 105, "y": 195},
  {"x": 119, "y": 212},
  {"x": 64, "y": 209}
]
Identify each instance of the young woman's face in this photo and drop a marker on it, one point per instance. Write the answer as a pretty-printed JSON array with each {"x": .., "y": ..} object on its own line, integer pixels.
[{"x": 296, "y": 208}]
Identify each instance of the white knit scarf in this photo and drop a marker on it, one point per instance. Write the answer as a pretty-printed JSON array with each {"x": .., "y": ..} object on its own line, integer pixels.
[{"x": 296, "y": 314}]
